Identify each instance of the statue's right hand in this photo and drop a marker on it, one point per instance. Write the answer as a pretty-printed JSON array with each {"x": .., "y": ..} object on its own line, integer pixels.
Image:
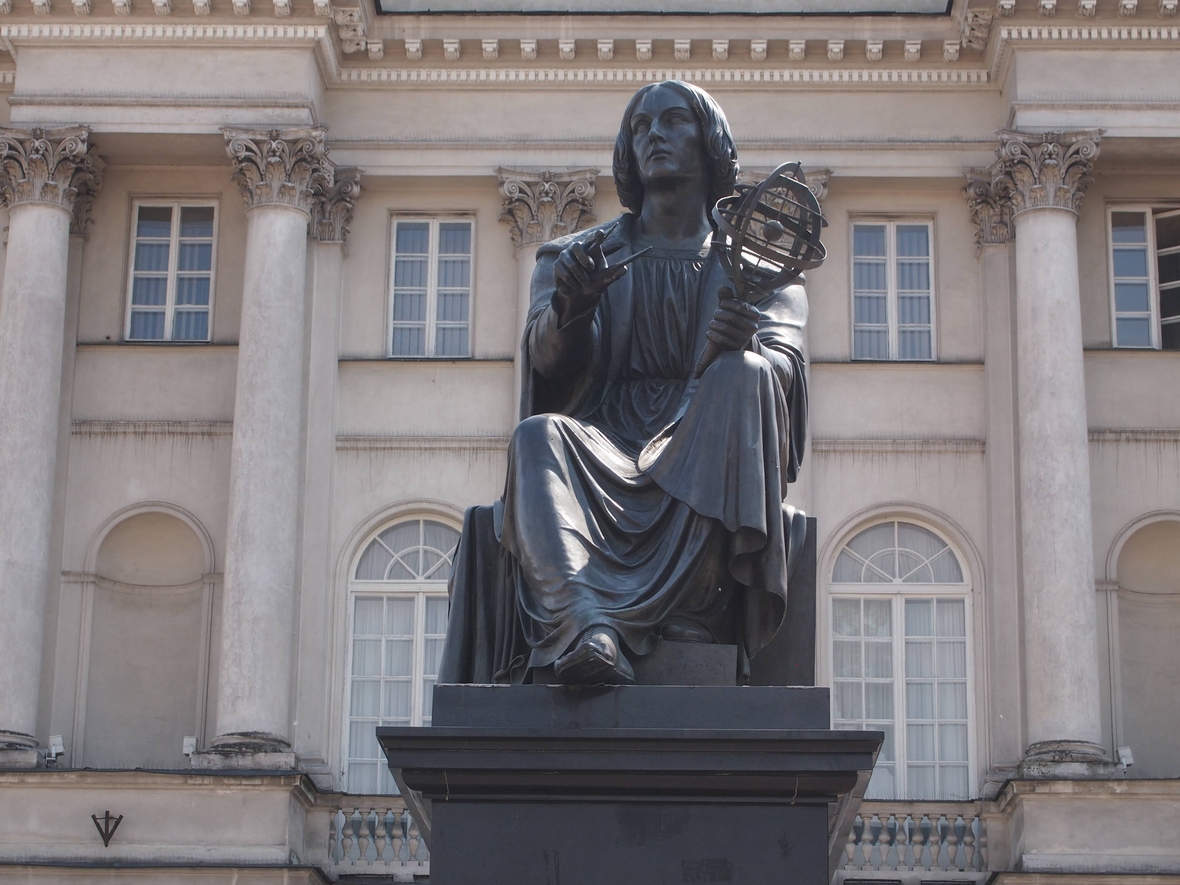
[{"x": 581, "y": 275}]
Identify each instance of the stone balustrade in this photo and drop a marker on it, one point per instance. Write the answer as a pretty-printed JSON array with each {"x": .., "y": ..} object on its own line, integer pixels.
[
  {"x": 917, "y": 837},
  {"x": 375, "y": 835}
]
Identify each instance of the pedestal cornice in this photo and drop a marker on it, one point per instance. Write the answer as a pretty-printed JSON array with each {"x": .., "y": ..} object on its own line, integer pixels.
[
  {"x": 281, "y": 167},
  {"x": 542, "y": 205},
  {"x": 1045, "y": 171},
  {"x": 58, "y": 167}
]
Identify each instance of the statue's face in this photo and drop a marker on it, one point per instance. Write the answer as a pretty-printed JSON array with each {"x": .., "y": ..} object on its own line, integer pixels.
[{"x": 666, "y": 138}]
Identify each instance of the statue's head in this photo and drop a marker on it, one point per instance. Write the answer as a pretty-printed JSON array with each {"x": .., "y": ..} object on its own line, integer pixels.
[{"x": 716, "y": 143}]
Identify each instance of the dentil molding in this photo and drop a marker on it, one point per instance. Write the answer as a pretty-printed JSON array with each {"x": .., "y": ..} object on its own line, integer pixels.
[
  {"x": 55, "y": 166},
  {"x": 1050, "y": 170},
  {"x": 541, "y": 205},
  {"x": 281, "y": 167}
]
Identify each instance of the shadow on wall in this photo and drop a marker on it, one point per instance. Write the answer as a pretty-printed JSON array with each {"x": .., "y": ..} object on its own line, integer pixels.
[
  {"x": 1149, "y": 653},
  {"x": 148, "y": 643}
]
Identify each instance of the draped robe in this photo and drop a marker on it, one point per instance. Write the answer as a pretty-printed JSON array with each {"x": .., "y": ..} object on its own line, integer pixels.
[{"x": 635, "y": 494}]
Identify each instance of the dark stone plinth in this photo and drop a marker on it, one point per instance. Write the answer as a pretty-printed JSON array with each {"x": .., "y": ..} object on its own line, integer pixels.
[{"x": 636, "y": 785}]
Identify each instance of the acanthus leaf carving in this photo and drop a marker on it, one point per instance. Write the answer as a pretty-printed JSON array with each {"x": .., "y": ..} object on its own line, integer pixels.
[
  {"x": 1050, "y": 170},
  {"x": 55, "y": 166},
  {"x": 284, "y": 167},
  {"x": 990, "y": 210},
  {"x": 541, "y": 205},
  {"x": 350, "y": 24},
  {"x": 333, "y": 212},
  {"x": 977, "y": 27}
]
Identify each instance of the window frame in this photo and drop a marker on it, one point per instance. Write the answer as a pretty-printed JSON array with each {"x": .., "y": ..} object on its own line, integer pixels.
[
  {"x": 434, "y": 219},
  {"x": 898, "y": 593},
  {"x": 891, "y": 312},
  {"x": 1153, "y": 283},
  {"x": 176, "y": 204},
  {"x": 420, "y": 591}
]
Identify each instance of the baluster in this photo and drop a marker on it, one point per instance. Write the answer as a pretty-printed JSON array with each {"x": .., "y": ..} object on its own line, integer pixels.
[
  {"x": 981, "y": 844},
  {"x": 399, "y": 837},
  {"x": 921, "y": 838},
  {"x": 872, "y": 836},
  {"x": 887, "y": 840},
  {"x": 850, "y": 845},
  {"x": 379, "y": 835},
  {"x": 901, "y": 842},
  {"x": 858, "y": 833},
  {"x": 414, "y": 839},
  {"x": 937, "y": 836},
  {"x": 968, "y": 843},
  {"x": 333, "y": 836},
  {"x": 950, "y": 839},
  {"x": 362, "y": 841},
  {"x": 346, "y": 838}
]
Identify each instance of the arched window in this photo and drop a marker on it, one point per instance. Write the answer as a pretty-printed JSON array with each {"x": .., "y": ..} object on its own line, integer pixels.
[
  {"x": 398, "y": 623},
  {"x": 901, "y": 658}
]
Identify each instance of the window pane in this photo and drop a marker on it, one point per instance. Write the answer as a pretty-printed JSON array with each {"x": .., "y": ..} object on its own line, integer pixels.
[
  {"x": 436, "y": 615},
  {"x": 952, "y": 660},
  {"x": 952, "y": 700},
  {"x": 439, "y": 543},
  {"x": 870, "y": 309},
  {"x": 195, "y": 256},
  {"x": 1169, "y": 303},
  {"x": 878, "y": 617},
  {"x": 454, "y": 273},
  {"x": 913, "y": 344},
  {"x": 151, "y": 256},
  {"x": 953, "y": 782},
  {"x": 919, "y": 617},
  {"x": 848, "y": 700},
  {"x": 1128, "y": 227},
  {"x": 913, "y": 240},
  {"x": 367, "y": 616},
  {"x": 868, "y": 239},
  {"x": 846, "y": 617},
  {"x": 451, "y": 341},
  {"x": 920, "y": 782},
  {"x": 362, "y": 776},
  {"x": 882, "y": 785},
  {"x": 196, "y": 221},
  {"x": 149, "y": 291},
  {"x": 147, "y": 325},
  {"x": 951, "y": 617},
  {"x": 413, "y": 237},
  {"x": 410, "y": 273},
  {"x": 1133, "y": 331},
  {"x": 397, "y": 700},
  {"x": 913, "y": 310},
  {"x": 409, "y": 306},
  {"x": 870, "y": 344},
  {"x": 920, "y": 742},
  {"x": 919, "y": 700},
  {"x": 878, "y": 700},
  {"x": 366, "y": 657},
  {"x": 409, "y": 341},
  {"x": 454, "y": 238},
  {"x": 452, "y": 307},
  {"x": 913, "y": 276},
  {"x": 919, "y": 659},
  {"x": 1131, "y": 297},
  {"x": 190, "y": 325},
  {"x": 372, "y": 565},
  {"x": 432, "y": 657},
  {"x": 952, "y": 742},
  {"x": 1167, "y": 231},
  {"x": 869, "y": 276},
  {"x": 1170, "y": 336},
  {"x": 1169, "y": 268},
  {"x": 366, "y": 697},
  {"x": 1130, "y": 262},
  {"x": 362, "y": 740},
  {"x": 846, "y": 658},
  {"x": 192, "y": 290},
  {"x": 399, "y": 616},
  {"x": 154, "y": 221},
  {"x": 878, "y": 660}
]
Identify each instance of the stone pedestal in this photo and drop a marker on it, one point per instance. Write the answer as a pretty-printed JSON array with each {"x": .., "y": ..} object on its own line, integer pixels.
[{"x": 632, "y": 785}]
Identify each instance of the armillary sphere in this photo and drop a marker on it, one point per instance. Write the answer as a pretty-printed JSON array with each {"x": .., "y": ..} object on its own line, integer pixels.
[{"x": 768, "y": 233}]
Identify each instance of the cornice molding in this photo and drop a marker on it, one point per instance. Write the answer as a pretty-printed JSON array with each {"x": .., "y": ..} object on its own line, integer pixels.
[
  {"x": 1046, "y": 171},
  {"x": 542, "y": 205},
  {"x": 990, "y": 212},
  {"x": 449, "y": 444},
  {"x": 935, "y": 446},
  {"x": 55, "y": 166},
  {"x": 281, "y": 167},
  {"x": 333, "y": 213}
]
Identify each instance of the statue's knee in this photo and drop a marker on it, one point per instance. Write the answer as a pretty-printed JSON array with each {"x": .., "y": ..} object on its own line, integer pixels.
[
  {"x": 536, "y": 431},
  {"x": 737, "y": 366}
]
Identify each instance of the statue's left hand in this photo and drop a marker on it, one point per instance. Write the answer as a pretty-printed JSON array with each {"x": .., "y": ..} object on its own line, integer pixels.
[{"x": 734, "y": 323}]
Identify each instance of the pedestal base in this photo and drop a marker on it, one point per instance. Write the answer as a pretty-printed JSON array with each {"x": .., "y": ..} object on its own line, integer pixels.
[
  {"x": 1066, "y": 760},
  {"x": 19, "y": 750},
  {"x": 631, "y": 785},
  {"x": 245, "y": 752}
]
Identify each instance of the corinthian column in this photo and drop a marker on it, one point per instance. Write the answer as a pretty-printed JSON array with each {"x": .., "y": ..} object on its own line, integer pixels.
[
  {"x": 281, "y": 174},
  {"x": 1043, "y": 178},
  {"x": 539, "y": 206},
  {"x": 46, "y": 176}
]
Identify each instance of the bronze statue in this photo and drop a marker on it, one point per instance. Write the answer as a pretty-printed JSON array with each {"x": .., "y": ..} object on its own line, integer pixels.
[{"x": 641, "y": 501}]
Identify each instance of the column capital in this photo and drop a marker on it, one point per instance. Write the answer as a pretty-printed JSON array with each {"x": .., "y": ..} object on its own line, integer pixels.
[
  {"x": 280, "y": 167},
  {"x": 990, "y": 210},
  {"x": 333, "y": 211},
  {"x": 55, "y": 166},
  {"x": 541, "y": 205},
  {"x": 1044, "y": 171}
]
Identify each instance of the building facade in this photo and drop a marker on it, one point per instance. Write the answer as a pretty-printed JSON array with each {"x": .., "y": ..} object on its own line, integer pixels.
[{"x": 264, "y": 275}]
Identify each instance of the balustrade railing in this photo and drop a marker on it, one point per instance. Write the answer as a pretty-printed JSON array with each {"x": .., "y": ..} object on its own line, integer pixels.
[
  {"x": 917, "y": 837},
  {"x": 376, "y": 836}
]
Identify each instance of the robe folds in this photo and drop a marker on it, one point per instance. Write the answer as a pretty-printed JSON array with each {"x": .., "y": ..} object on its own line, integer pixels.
[{"x": 635, "y": 494}]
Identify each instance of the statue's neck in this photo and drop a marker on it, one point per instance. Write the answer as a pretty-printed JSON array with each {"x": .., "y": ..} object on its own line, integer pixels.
[{"x": 674, "y": 217}]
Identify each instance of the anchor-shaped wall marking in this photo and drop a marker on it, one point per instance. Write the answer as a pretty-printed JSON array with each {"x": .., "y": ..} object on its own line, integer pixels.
[{"x": 107, "y": 828}]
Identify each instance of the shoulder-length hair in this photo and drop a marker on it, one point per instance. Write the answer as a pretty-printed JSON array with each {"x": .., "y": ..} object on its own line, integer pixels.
[{"x": 722, "y": 163}]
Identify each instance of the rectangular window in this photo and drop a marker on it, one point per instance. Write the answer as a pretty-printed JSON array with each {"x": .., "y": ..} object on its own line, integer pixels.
[
  {"x": 397, "y": 644},
  {"x": 910, "y": 683},
  {"x": 431, "y": 288},
  {"x": 892, "y": 297},
  {"x": 170, "y": 291},
  {"x": 1145, "y": 277}
]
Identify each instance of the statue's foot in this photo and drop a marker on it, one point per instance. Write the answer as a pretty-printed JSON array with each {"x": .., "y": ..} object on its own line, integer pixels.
[
  {"x": 685, "y": 631},
  {"x": 596, "y": 659}
]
